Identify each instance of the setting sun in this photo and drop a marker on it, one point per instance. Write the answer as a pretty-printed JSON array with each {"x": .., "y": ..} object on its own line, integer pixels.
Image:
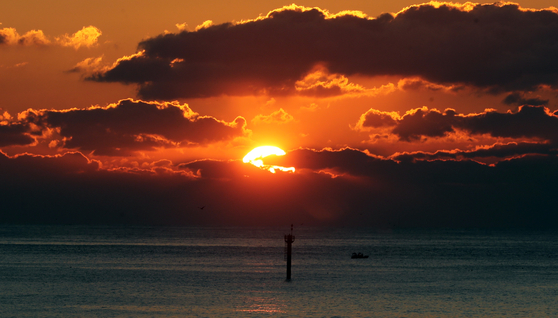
[{"x": 257, "y": 154}]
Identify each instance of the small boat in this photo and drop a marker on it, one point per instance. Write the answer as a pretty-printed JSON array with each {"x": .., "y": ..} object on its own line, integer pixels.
[{"x": 358, "y": 255}]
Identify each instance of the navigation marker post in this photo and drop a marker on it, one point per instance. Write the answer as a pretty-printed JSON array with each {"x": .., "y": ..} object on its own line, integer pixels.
[{"x": 289, "y": 239}]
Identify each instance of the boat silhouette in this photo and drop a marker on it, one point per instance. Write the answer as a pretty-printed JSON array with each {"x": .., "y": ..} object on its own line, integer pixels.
[{"x": 358, "y": 255}]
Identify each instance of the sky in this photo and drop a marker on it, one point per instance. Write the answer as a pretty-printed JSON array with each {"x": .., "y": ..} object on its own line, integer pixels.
[{"x": 394, "y": 114}]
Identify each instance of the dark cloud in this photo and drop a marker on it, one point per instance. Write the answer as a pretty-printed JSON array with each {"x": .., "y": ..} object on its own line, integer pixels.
[
  {"x": 72, "y": 189},
  {"x": 3, "y": 39},
  {"x": 15, "y": 134},
  {"x": 421, "y": 122},
  {"x": 494, "y": 47},
  {"x": 417, "y": 83},
  {"x": 519, "y": 99},
  {"x": 135, "y": 125},
  {"x": 45, "y": 166},
  {"x": 497, "y": 152},
  {"x": 527, "y": 122},
  {"x": 436, "y": 193},
  {"x": 345, "y": 187},
  {"x": 214, "y": 169},
  {"x": 347, "y": 160}
]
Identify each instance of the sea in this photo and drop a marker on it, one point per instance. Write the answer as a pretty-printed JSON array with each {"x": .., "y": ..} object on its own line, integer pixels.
[{"x": 125, "y": 271}]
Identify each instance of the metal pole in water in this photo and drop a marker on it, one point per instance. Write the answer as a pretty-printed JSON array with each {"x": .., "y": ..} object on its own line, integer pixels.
[{"x": 289, "y": 239}]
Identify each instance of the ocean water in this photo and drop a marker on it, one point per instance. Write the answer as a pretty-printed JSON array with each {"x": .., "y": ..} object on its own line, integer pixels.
[{"x": 101, "y": 271}]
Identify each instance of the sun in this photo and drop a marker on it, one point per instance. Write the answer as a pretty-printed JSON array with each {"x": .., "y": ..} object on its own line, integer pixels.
[{"x": 257, "y": 154}]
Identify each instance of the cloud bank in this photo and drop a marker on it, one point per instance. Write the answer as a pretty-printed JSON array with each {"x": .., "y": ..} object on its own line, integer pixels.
[
  {"x": 491, "y": 47},
  {"x": 343, "y": 187},
  {"x": 121, "y": 128},
  {"x": 527, "y": 122}
]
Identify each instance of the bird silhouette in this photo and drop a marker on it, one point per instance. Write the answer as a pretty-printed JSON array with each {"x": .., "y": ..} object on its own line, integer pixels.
[{"x": 201, "y": 207}]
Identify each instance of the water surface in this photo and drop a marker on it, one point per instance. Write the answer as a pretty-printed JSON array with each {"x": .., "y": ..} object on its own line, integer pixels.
[{"x": 88, "y": 271}]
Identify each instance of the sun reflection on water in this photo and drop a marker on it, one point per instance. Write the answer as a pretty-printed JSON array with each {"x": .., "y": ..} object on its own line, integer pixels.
[{"x": 259, "y": 304}]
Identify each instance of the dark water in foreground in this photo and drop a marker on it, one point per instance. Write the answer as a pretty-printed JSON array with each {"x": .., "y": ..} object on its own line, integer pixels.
[{"x": 77, "y": 271}]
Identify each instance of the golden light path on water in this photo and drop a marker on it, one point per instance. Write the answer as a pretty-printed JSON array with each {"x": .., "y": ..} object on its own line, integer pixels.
[{"x": 257, "y": 154}]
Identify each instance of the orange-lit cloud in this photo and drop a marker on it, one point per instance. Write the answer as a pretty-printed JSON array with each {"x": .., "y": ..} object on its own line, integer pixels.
[
  {"x": 86, "y": 37},
  {"x": 9, "y": 36},
  {"x": 374, "y": 118},
  {"x": 320, "y": 83},
  {"x": 206, "y": 24},
  {"x": 89, "y": 66},
  {"x": 277, "y": 117},
  {"x": 182, "y": 26}
]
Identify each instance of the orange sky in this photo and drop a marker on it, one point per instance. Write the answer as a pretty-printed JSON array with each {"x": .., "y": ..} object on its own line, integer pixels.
[{"x": 138, "y": 87}]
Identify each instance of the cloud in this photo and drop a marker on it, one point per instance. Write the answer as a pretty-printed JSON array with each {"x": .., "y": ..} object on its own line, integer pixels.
[
  {"x": 535, "y": 122},
  {"x": 422, "y": 122},
  {"x": 70, "y": 188},
  {"x": 218, "y": 169},
  {"x": 14, "y": 132},
  {"x": 491, "y": 47},
  {"x": 310, "y": 108},
  {"x": 89, "y": 66},
  {"x": 374, "y": 118},
  {"x": 206, "y": 24},
  {"x": 86, "y": 37},
  {"x": 342, "y": 187},
  {"x": 438, "y": 192},
  {"x": 277, "y": 117},
  {"x": 15, "y": 135},
  {"x": 490, "y": 153},
  {"x": 131, "y": 125},
  {"x": 182, "y": 26},
  {"x": 344, "y": 161},
  {"x": 10, "y": 36},
  {"x": 68, "y": 163},
  {"x": 418, "y": 83},
  {"x": 320, "y": 83},
  {"x": 527, "y": 122},
  {"x": 519, "y": 99}
]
